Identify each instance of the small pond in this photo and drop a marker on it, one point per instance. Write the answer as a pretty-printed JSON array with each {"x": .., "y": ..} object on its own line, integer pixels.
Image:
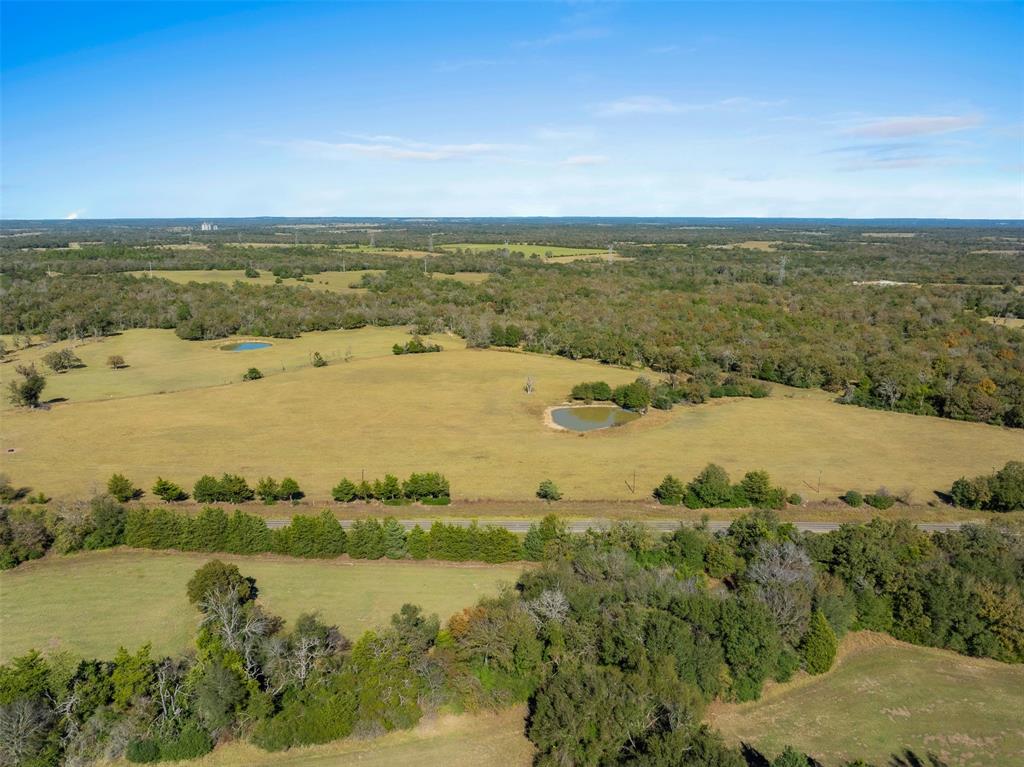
[
  {"x": 590, "y": 418},
  {"x": 245, "y": 346}
]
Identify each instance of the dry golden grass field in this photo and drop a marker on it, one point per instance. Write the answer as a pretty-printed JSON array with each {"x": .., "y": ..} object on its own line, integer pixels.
[
  {"x": 158, "y": 361},
  {"x": 126, "y": 597},
  {"x": 1006, "y": 322},
  {"x": 471, "y": 740},
  {"x": 884, "y": 698},
  {"x": 462, "y": 412},
  {"x": 550, "y": 254}
]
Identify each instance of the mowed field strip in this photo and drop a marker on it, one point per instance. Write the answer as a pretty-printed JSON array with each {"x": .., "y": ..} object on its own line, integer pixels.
[
  {"x": 885, "y": 697},
  {"x": 464, "y": 412},
  {"x": 126, "y": 597},
  {"x": 470, "y": 740},
  {"x": 552, "y": 254}
]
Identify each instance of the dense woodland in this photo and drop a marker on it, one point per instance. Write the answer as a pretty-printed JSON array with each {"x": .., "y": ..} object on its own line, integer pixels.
[
  {"x": 616, "y": 641},
  {"x": 690, "y": 301}
]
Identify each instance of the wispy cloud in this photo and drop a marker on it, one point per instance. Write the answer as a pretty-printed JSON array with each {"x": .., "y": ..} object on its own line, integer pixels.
[
  {"x": 891, "y": 155},
  {"x": 658, "y": 105},
  {"x": 916, "y": 125},
  {"x": 585, "y": 159},
  {"x": 396, "y": 148},
  {"x": 563, "y": 134},
  {"x": 566, "y": 36},
  {"x": 73, "y": 215}
]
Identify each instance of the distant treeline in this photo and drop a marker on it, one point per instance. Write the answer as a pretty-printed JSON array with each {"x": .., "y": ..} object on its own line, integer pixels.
[{"x": 675, "y": 308}]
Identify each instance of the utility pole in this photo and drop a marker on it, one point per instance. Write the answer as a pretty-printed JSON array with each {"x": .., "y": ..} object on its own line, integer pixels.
[
  {"x": 372, "y": 234},
  {"x": 782, "y": 269},
  {"x": 430, "y": 247}
]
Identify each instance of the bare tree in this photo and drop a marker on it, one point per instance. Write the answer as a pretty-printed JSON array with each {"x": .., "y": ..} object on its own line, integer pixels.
[{"x": 784, "y": 579}]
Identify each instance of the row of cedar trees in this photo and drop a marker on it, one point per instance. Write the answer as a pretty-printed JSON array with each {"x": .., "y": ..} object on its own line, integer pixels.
[
  {"x": 428, "y": 487},
  {"x": 322, "y": 536}
]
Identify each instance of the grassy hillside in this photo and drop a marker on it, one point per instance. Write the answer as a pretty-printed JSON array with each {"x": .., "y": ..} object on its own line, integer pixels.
[
  {"x": 92, "y": 602},
  {"x": 158, "y": 361},
  {"x": 462, "y": 412},
  {"x": 886, "y": 697}
]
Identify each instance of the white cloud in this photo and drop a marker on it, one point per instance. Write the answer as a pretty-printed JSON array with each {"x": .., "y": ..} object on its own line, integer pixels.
[
  {"x": 395, "y": 148},
  {"x": 917, "y": 125},
  {"x": 585, "y": 159},
  {"x": 658, "y": 105},
  {"x": 73, "y": 215}
]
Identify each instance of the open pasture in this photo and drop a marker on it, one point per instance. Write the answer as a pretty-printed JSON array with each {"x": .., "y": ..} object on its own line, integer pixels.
[
  {"x": 883, "y": 698},
  {"x": 336, "y": 282},
  {"x": 549, "y": 253},
  {"x": 158, "y": 361},
  {"x": 465, "y": 413},
  {"x": 90, "y": 603}
]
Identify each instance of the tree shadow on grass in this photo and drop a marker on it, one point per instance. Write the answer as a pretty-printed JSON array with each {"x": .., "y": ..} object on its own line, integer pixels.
[{"x": 908, "y": 758}]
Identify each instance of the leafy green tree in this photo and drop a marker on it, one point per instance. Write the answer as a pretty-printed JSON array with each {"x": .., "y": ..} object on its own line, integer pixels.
[
  {"x": 634, "y": 396},
  {"x": 711, "y": 487},
  {"x": 757, "y": 487},
  {"x": 220, "y": 694},
  {"x": 252, "y": 374},
  {"x": 366, "y": 539},
  {"x": 217, "y": 577},
  {"x": 108, "y": 519},
  {"x": 551, "y": 534},
  {"x": 27, "y": 391},
  {"x": 206, "y": 489},
  {"x": 751, "y": 643},
  {"x": 168, "y": 491},
  {"x": 267, "y": 490},
  {"x": 233, "y": 489},
  {"x": 207, "y": 531},
  {"x": 1008, "y": 487},
  {"x": 59, "y": 361},
  {"x": 394, "y": 538},
  {"x": 670, "y": 492},
  {"x": 121, "y": 488},
  {"x": 289, "y": 490},
  {"x": 344, "y": 491},
  {"x": 132, "y": 676},
  {"x": 548, "y": 491},
  {"x": 247, "y": 534},
  {"x": 819, "y": 645},
  {"x": 417, "y": 543}
]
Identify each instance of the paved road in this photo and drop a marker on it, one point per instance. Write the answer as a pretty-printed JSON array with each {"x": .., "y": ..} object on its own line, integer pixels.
[{"x": 659, "y": 525}]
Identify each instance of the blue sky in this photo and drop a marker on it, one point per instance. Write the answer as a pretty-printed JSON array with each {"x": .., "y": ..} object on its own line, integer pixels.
[{"x": 683, "y": 109}]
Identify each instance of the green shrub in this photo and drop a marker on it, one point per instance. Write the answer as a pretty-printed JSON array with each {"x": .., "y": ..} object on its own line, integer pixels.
[
  {"x": 121, "y": 488},
  {"x": 548, "y": 491},
  {"x": 880, "y": 500},
  {"x": 344, "y": 491},
  {"x": 710, "y": 488},
  {"x": 593, "y": 390},
  {"x": 168, "y": 491},
  {"x": 670, "y": 492},
  {"x": 191, "y": 743},
  {"x": 794, "y": 499},
  {"x": 853, "y": 498},
  {"x": 143, "y": 751},
  {"x": 252, "y": 374}
]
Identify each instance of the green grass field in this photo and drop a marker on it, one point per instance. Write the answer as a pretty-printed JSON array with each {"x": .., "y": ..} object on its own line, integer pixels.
[
  {"x": 477, "y": 740},
  {"x": 885, "y": 697},
  {"x": 92, "y": 602},
  {"x": 158, "y": 361},
  {"x": 462, "y": 412},
  {"x": 336, "y": 282}
]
